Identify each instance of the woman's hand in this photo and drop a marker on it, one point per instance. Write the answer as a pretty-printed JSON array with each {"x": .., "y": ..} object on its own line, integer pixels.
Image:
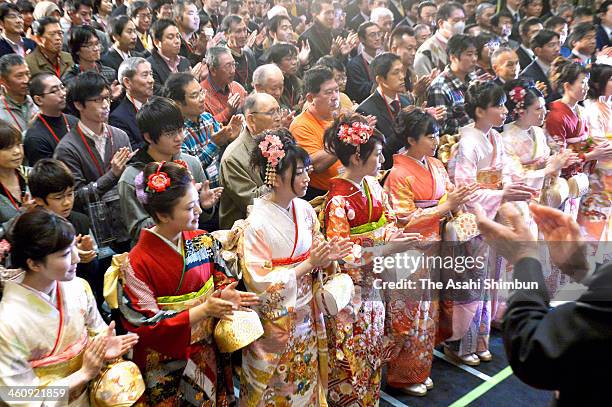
[
  {"x": 118, "y": 345},
  {"x": 319, "y": 254},
  {"x": 239, "y": 298},
  {"x": 563, "y": 159},
  {"x": 517, "y": 192},
  {"x": 398, "y": 241},
  {"x": 601, "y": 151},
  {"x": 93, "y": 358},
  {"x": 208, "y": 197},
  {"x": 459, "y": 196},
  {"x": 339, "y": 248},
  {"x": 216, "y": 307}
]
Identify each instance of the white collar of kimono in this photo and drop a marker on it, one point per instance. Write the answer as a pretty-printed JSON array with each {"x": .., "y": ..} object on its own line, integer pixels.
[{"x": 176, "y": 248}]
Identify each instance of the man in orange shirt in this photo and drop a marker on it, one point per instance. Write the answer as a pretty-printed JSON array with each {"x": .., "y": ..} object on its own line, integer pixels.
[{"x": 323, "y": 96}]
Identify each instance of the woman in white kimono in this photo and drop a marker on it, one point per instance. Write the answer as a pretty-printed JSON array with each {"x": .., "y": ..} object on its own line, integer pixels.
[
  {"x": 480, "y": 158},
  {"x": 282, "y": 247},
  {"x": 51, "y": 332}
]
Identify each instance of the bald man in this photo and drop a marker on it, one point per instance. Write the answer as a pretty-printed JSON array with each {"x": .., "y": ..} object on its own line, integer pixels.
[{"x": 241, "y": 184}]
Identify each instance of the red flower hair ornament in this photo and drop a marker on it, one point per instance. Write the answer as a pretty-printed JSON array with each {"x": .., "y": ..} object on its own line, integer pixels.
[{"x": 355, "y": 134}]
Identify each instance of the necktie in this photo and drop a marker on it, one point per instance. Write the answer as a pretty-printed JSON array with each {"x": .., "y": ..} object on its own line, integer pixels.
[{"x": 395, "y": 106}]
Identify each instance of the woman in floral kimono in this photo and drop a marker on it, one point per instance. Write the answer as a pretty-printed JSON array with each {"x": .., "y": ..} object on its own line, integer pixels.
[
  {"x": 567, "y": 126},
  {"x": 282, "y": 247},
  {"x": 357, "y": 207},
  {"x": 594, "y": 213},
  {"x": 480, "y": 157},
  {"x": 419, "y": 191},
  {"x": 174, "y": 287},
  {"x": 51, "y": 332}
]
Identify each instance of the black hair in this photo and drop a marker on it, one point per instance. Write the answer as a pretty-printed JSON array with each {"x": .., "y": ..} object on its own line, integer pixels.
[
  {"x": 398, "y": 33},
  {"x": 294, "y": 154},
  {"x": 8, "y": 61},
  {"x": 226, "y": 23},
  {"x": 525, "y": 25},
  {"x": 160, "y": 26},
  {"x": 315, "y": 77},
  {"x": 37, "y": 83},
  {"x": 174, "y": 88},
  {"x": 424, "y": 4},
  {"x": 562, "y": 71},
  {"x": 159, "y": 115},
  {"x": 9, "y": 135},
  {"x": 43, "y": 23},
  {"x": 117, "y": 25},
  {"x": 483, "y": 95},
  {"x": 554, "y": 21},
  {"x": 6, "y": 8},
  {"x": 497, "y": 16},
  {"x": 446, "y": 10},
  {"x": 277, "y": 52},
  {"x": 86, "y": 86},
  {"x": 580, "y": 31},
  {"x": 600, "y": 74},
  {"x": 165, "y": 201},
  {"x": 582, "y": 11},
  {"x": 276, "y": 21},
  {"x": 316, "y": 5},
  {"x": 542, "y": 38},
  {"x": 156, "y": 5},
  {"x": 49, "y": 176},
  {"x": 37, "y": 233},
  {"x": 25, "y": 6},
  {"x": 482, "y": 40},
  {"x": 361, "y": 31},
  {"x": 136, "y": 6},
  {"x": 603, "y": 8},
  {"x": 381, "y": 65},
  {"x": 414, "y": 124},
  {"x": 458, "y": 44},
  {"x": 76, "y": 4},
  {"x": 531, "y": 96},
  {"x": 79, "y": 36},
  {"x": 332, "y": 63},
  {"x": 344, "y": 151}
]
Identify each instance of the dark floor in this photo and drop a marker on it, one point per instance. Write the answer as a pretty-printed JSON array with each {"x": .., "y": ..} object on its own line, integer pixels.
[{"x": 451, "y": 383}]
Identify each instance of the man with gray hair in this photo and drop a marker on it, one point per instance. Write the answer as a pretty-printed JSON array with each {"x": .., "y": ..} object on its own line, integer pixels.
[
  {"x": 17, "y": 108},
  {"x": 269, "y": 79},
  {"x": 224, "y": 96},
  {"x": 383, "y": 17},
  {"x": 240, "y": 183},
  {"x": 484, "y": 13},
  {"x": 136, "y": 77}
]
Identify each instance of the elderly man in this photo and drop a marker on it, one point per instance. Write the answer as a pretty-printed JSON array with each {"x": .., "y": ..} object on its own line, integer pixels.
[
  {"x": 241, "y": 184},
  {"x": 383, "y": 17},
  {"x": 269, "y": 79},
  {"x": 505, "y": 64},
  {"x": 17, "y": 107},
  {"x": 484, "y": 13}
]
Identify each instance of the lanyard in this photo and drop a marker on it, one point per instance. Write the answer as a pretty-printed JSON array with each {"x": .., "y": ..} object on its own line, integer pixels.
[
  {"x": 367, "y": 67},
  {"x": 132, "y": 101},
  {"x": 42, "y": 119},
  {"x": 10, "y": 111},
  {"x": 56, "y": 67},
  {"x": 91, "y": 154},
  {"x": 10, "y": 197},
  {"x": 391, "y": 114}
]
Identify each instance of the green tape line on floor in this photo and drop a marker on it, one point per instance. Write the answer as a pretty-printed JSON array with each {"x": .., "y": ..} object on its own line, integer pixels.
[{"x": 483, "y": 388}]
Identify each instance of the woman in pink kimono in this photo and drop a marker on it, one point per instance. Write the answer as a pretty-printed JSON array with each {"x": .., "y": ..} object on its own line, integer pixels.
[
  {"x": 282, "y": 247},
  {"x": 480, "y": 158}
]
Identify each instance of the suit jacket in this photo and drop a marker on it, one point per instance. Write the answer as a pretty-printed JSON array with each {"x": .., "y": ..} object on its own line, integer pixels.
[
  {"x": 603, "y": 40},
  {"x": 524, "y": 59},
  {"x": 359, "y": 80},
  {"x": 5, "y": 48},
  {"x": 112, "y": 59},
  {"x": 161, "y": 70},
  {"x": 38, "y": 63},
  {"x": 535, "y": 73},
  {"x": 124, "y": 118},
  {"x": 376, "y": 105},
  {"x": 565, "y": 349}
]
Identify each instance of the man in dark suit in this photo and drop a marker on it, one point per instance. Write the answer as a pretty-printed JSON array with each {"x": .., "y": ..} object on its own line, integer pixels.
[
  {"x": 165, "y": 58},
  {"x": 359, "y": 80},
  {"x": 136, "y": 76},
  {"x": 319, "y": 35},
  {"x": 583, "y": 43},
  {"x": 546, "y": 46},
  {"x": 387, "y": 101},
  {"x": 604, "y": 28},
  {"x": 528, "y": 29},
  {"x": 12, "y": 40},
  {"x": 123, "y": 34},
  {"x": 566, "y": 348}
]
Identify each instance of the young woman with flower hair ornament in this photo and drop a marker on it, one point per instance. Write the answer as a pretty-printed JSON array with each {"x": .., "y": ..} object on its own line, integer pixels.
[
  {"x": 357, "y": 208},
  {"x": 174, "y": 286},
  {"x": 282, "y": 249}
]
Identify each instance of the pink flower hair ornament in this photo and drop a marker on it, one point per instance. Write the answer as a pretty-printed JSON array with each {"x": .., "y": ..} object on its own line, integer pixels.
[
  {"x": 355, "y": 134},
  {"x": 272, "y": 150},
  {"x": 517, "y": 95}
]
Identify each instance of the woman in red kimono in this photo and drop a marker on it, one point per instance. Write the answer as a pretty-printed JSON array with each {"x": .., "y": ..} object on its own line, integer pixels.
[
  {"x": 173, "y": 288},
  {"x": 420, "y": 191},
  {"x": 566, "y": 123},
  {"x": 357, "y": 208}
]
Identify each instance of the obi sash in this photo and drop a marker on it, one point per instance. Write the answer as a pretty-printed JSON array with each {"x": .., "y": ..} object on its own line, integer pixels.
[
  {"x": 423, "y": 204},
  {"x": 186, "y": 301},
  {"x": 369, "y": 227},
  {"x": 289, "y": 260},
  {"x": 489, "y": 178},
  {"x": 59, "y": 366}
]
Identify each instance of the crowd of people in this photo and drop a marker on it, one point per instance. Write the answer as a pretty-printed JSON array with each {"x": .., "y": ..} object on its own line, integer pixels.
[{"x": 169, "y": 168}]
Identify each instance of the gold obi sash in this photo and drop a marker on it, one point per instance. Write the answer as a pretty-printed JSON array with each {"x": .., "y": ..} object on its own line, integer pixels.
[
  {"x": 489, "y": 178},
  {"x": 56, "y": 367},
  {"x": 186, "y": 301}
]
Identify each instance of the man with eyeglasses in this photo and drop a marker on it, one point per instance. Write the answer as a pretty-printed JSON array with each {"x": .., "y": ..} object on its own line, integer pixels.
[
  {"x": 50, "y": 125},
  {"x": 269, "y": 79},
  {"x": 48, "y": 55},
  {"x": 13, "y": 40},
  {"x": 359, "y": 80},
  {"x": 78, "y": 13},
  {"x": 140, "y": 13},
  {"x": 160, "y": 122},
  {"x": 16, "y": 106},
  {"x": 546, "y": 46},
  {"x": 96, "y": 153},
  {"x": 240, "y": 183},
  {"x": 285, "y": 57}
]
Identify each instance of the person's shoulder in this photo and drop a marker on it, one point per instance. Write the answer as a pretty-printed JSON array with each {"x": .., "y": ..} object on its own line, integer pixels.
[
  {"x": 68, "y": 141},
  {"x": 80, "y": 222},
  {"x": 121, "y": 136}
]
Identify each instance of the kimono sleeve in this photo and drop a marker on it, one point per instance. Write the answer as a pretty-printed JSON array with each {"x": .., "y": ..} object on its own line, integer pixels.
[
  {"x": 276, "y": 286},
  {"x": 556, "y": 127},
  {"x": 93, "y": 320}
]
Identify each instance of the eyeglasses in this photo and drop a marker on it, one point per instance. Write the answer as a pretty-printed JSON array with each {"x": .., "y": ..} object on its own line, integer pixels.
[
  {"x": 272, "y": 113},
  {"x": 55, "y": 89},
  {"x": 144, "y": 15},
  {"x": 101, "y": 99},
  {"x": 173, "y": 134}
]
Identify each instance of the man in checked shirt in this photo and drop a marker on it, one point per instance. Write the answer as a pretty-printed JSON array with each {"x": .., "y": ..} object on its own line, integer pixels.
[
  {"x": 205, "y": 138},
  {"x": 448, "y": 89}
]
